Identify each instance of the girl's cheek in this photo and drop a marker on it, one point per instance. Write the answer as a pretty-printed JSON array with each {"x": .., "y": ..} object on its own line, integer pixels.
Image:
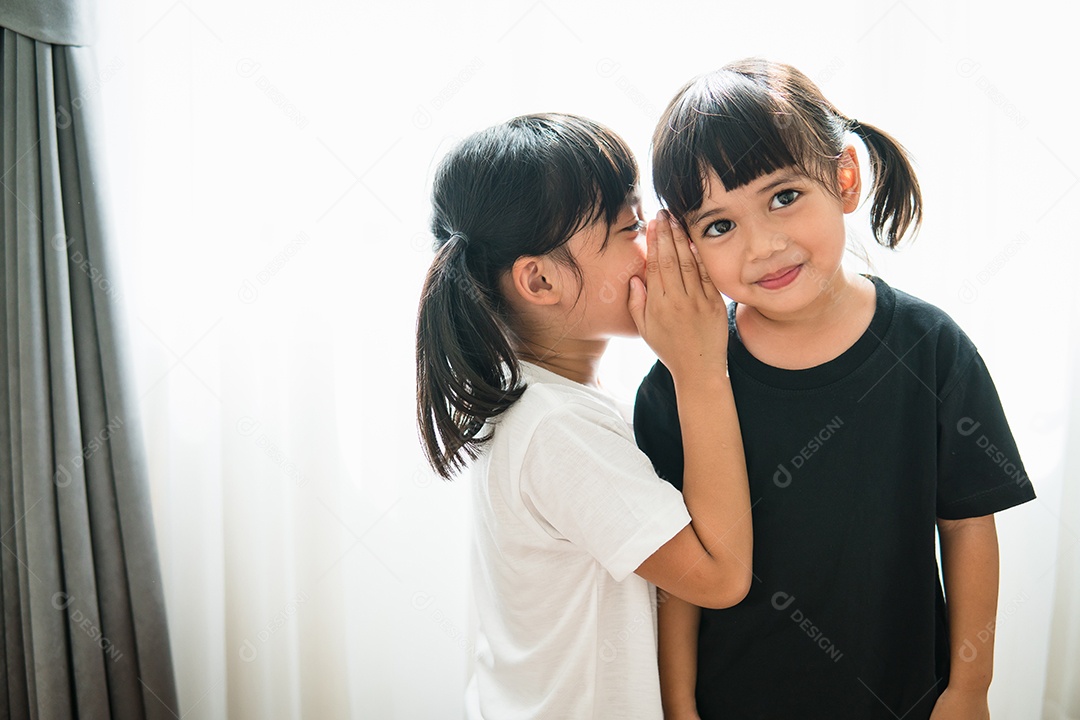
[
  {"x": 638, "y": 257},
  {"x": 634, "y": 266}
]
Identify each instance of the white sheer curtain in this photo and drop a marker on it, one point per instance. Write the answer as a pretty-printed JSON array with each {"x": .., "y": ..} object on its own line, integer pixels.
[
  {"x": 275, "y": 161},
  {"x": 1063, "y": 672}
]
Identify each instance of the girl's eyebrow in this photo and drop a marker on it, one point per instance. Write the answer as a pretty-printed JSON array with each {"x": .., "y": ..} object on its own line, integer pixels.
[
  {"x": 699, "y": 217},
  {"x": 784, "y": 178},
  {"x": 780, "y": 180}
]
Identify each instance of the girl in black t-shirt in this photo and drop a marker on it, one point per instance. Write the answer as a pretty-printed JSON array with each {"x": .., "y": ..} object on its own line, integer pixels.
[{"x": 868, "y": 420}]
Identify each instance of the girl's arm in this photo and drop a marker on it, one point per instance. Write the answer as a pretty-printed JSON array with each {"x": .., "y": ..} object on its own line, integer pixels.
[
  {"x": 969, "y": 559},
  {"x": 678, "y": 621},
  {"x": 684, "y": 319}
]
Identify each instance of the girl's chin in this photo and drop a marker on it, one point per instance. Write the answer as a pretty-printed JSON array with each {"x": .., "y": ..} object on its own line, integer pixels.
[
  {"x": 626, "y": 331},
  {"x": 772, "y": 303}
]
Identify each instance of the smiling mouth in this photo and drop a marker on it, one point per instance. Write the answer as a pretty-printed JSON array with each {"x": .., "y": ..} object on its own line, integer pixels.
[{"x": 780, "y": 278}]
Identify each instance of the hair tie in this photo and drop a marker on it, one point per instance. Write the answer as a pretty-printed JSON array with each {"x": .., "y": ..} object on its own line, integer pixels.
[
  {"x": 460, "y": 237},
  {"x": 853, "y": 124}
]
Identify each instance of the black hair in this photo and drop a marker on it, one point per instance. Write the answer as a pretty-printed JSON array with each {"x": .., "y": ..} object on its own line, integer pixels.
[
  {"x": 522, "y": 188},
  {"x": 753, "y": 117}
]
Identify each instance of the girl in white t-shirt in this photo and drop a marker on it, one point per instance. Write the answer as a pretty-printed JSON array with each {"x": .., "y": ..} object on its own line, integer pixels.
[{"x": 538, "y": 264}]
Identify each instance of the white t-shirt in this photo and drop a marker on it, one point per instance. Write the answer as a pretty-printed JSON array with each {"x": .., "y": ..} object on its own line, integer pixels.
[{"x": 565, "y": 509}]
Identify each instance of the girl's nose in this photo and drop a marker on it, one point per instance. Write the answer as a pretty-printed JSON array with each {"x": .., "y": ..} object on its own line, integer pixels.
[{"x": 765, "y": 242}]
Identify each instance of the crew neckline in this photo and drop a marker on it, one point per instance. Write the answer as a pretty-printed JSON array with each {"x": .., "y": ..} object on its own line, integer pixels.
[{"x": 828, "y": 372}]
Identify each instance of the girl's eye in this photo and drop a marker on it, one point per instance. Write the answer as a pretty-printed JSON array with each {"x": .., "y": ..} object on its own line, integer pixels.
[
  {"x": 636, "y": 227},
  {"x": 719, "y": 227},
  {"x": 784, "y": 198}
]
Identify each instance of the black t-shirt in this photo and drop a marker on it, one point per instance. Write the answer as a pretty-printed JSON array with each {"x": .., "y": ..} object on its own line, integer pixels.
[{"x": 850, "y": 465}]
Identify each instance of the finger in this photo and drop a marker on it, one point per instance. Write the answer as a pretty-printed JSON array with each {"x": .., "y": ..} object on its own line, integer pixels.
[
  {"x": 667, "y": 255},
  {"x": 706, "y": 281},
  {"x": 636, "y": 303},
  {"x": 652, "y": 260},
  {"x": 688, "y": 264}
]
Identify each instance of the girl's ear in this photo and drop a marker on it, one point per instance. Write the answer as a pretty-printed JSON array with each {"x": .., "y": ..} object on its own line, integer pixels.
[
  {"x": 535, "y": 280},
  {"x": 850, "y": 179}
]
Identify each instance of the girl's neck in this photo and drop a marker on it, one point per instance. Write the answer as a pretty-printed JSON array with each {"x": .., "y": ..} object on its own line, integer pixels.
[
  {"x": 576, "y": 360},
  {"x": 820, "y": 332}
]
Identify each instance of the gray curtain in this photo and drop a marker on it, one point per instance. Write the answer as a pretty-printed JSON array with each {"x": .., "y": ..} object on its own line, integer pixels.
[{"x": 82, "y": 630}]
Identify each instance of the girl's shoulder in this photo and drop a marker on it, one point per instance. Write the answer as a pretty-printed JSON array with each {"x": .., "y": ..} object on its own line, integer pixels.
[
  {"x": 555, "y": 420},
  {"x": 551, "y": 398},
  {"x": 922, "y": 329},
  {"x": 915, "y": 314}
]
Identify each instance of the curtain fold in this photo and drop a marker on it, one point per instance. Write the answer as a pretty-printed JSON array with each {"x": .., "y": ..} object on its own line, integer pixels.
[
  {"x": 62, "y": 22},
  {"x": 83, "y": 621}
]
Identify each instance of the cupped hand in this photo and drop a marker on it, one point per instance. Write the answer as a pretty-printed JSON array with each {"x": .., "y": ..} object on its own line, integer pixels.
[{"x": 678, "y": 311}]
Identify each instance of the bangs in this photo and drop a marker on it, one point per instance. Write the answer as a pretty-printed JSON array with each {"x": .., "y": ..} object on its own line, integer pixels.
[
  {"x": 588, "y": 173},
  {"x": 740, "y": 127}
]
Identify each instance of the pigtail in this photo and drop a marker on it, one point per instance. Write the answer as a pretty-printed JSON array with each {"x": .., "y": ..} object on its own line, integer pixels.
[
  {"x": 897, "y": 204},
  {"x": 467, "y": 372}
]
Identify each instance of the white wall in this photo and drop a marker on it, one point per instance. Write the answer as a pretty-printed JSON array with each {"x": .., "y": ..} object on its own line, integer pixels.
[{"x": 271, "y": 165}]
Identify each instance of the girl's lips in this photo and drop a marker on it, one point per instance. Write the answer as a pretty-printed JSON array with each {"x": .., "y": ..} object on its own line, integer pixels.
[{"x": 780, "y": 279}]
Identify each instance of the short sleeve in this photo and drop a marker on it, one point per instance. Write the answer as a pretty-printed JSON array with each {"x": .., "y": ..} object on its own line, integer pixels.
[
  {"x": 656, "y": 425},
  {"x": 979, "y": 467},
  {"x": 585, "y": 481}
]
